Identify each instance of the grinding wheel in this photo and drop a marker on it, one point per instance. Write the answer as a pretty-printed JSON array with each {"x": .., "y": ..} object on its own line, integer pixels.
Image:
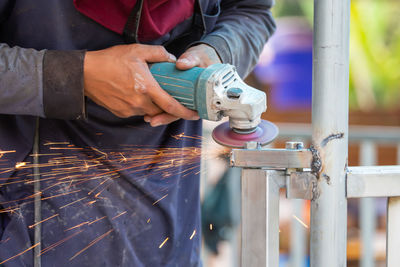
[{"x": 264, "y": 134}]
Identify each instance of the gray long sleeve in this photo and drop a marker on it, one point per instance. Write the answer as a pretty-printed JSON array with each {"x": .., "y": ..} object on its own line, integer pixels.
[
  {"x": 21, "y": 81},
  {"x": 41, "y": 83},
  {"x": 242, "y": 29}
]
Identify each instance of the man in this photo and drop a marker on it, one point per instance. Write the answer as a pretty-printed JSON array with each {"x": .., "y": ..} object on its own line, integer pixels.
[{"x": 117, "y": 157}]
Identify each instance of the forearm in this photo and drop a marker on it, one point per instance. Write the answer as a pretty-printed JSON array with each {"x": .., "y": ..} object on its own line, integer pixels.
[
  {"x": 41, "y": 83},
  {"x": 241, "y": 31}
]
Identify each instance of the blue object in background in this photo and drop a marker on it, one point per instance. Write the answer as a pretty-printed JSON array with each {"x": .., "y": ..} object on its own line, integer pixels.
[{"x": 286, "y": 66}]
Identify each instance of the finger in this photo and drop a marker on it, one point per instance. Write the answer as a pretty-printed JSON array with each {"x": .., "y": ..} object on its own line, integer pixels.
[
  {"x": 162, "y": 119},
  {"x": 155, "y": 53},
  {"x": 187, "y": 61},
  {"x": 150, "y": 108}
]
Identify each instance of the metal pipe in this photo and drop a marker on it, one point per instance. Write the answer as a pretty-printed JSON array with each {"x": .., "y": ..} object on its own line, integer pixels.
[
  {"x": 373, "y": 181},
  {"x": 260, "y": 217},
  {"x": 38, "y": 199},
  {"x": 330, "y": 132},
  {"x": 367, "y": 210},
  {"x": 392, "y": 227}
]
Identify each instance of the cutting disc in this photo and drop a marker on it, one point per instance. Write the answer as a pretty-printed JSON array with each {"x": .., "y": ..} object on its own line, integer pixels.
[{"x": 265, "y": 133}]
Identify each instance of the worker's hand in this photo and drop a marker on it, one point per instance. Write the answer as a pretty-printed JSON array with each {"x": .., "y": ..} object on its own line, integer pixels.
[
  {"x": 118, "y": 78},
  {"x": 196, "y": 56}
]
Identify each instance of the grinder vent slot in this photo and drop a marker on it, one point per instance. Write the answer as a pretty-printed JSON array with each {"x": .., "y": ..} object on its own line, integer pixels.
[{"x": 228, "y": 79}]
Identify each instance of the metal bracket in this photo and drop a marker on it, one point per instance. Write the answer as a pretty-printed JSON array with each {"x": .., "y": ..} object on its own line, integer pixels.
[{"x": 300, "y": 185}]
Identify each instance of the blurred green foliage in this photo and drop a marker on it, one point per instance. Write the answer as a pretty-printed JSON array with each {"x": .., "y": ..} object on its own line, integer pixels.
[{"x": 374, "y": 49}]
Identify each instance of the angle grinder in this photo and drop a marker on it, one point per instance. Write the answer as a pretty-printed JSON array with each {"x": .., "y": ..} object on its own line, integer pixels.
[{"x": 215, "y": 92}]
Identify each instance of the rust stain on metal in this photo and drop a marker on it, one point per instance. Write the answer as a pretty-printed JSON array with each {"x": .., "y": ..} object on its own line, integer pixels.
[{"x": 331, "y": 137}]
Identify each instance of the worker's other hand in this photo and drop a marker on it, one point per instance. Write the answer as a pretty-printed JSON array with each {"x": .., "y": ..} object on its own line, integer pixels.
[
  {"x": 119, "y": 79},
  {"x": 196, "y": 56}
]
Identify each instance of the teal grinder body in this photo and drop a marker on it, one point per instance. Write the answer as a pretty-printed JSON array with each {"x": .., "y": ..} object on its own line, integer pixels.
[{"x": 188, "y": 87}]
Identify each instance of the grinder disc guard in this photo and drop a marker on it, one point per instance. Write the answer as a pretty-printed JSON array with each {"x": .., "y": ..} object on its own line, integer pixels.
[{"x": 265, "y": 133}]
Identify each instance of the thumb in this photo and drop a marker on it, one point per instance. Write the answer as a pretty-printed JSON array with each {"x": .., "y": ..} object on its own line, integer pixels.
[
  {"x": 155, "y": 53},
  {"x": 187, "y": 61}
]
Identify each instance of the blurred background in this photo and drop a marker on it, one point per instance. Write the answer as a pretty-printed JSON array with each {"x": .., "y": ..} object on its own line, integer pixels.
[{"x": 284, "y": 72}]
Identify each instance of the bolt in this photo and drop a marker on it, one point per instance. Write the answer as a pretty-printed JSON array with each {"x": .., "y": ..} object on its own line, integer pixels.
[
  {"x": 294, "y": 145},
  {"x": 252, "y": 145}
]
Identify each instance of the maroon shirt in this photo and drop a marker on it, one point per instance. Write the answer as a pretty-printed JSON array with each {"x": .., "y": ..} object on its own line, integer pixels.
[{"x": 158, "y": 17}]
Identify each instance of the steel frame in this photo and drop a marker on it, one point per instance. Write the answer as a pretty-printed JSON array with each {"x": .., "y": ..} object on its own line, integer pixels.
[{"x": 319, "y": 173}]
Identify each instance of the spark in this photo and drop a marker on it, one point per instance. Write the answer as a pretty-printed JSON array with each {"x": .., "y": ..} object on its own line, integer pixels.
[
  {"x": 19, "y": 254},
  {"x": 155, "y": 202},
  {"x": 97, "y": 220},
  {"x": 116, "y": 216},
  {"x": 194, "y": 232},
  {"x": 76, "y": 226},
  {"x": 71, "y": 148},
  {"x": 60, "y": 195},
  {"x": 59, "y": 242},
  {"x": 148, "y": 220},
  {"x": 56, "y": 143},
  {"x": 42, "y": 221},
  {"x": 49, "y": 154},
  {"x": 101, "y": 152},
  {"x": 211, "y": 226},
  {"x": 97, "y": 239},
  {"x": 5, "y": 152},
  {"x": 72, "y": 202},
  {"x": 300, "y": 221},
  {"x": 91, "y": 202},
  {"x": 163, "y": 243},
  {"x": 179, "y": 136},
  {"x": 20, "y": 164}
]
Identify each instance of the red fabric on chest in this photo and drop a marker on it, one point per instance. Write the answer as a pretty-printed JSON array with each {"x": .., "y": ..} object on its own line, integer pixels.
[{"x": 158, "y": 16}]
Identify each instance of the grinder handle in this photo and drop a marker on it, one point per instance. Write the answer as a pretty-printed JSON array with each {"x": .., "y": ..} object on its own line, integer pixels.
[{"x": 180, "y": 84}]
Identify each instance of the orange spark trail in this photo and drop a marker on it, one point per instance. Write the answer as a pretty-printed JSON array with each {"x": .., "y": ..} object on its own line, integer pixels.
[
  {"x": 76, "y": 226},
  {"x": 97, "y": 220},
  {"x": 116, "y": 216},
  {"x": 300, "y": 221},
  {"x": 59, "y": 242},
  {"x": 194, "y": 233},
  {"x": 91, "y": 244},
  {"x": 72, "y": 202},
  {"x": 163, "y": 243},
  {"x": 63, "y": 194},
  {"x": 19, "y": 254},
  {"x": 155, "y": 202},
  {"x": 56, "y": 143},
  {"x": 33, "y": 225}
]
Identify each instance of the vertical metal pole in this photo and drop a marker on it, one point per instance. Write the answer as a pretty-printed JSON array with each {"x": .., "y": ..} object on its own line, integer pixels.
[
  {"x": 393, "y": 232},
  {"x": 38, "y": 199},
  {"x": 367, "y": 210},
  {"x": 260, "y": 218},
  {"x": 330, "y": 132},
  {"x": 298, "y": 237},
  {"x": 392, "y": 228}
]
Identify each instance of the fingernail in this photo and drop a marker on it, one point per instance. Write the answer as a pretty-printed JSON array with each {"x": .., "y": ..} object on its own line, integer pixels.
[
  {"x": 172, "y": 57},
  {"x": 146, "y": 119},
  {"x": 156, "y": 124},
  {"x": 184, "y": 61},
  {"x": 195, "y": 118}
]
